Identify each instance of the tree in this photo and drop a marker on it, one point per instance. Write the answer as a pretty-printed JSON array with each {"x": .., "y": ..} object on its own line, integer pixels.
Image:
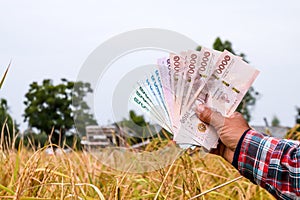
[
  {"x": 137, "y": 129},
  {"x": 49, "y": 107},
  {"x": 137, "y": 119},
  {"x": 82, "y": 116},
  {"x": 298, "y": 115},
  {"x": 275, "y": 121},
  {"x": 8, "y": 125},
  {"x": 251, "y": 96},
  {"x": 136, "y": 125}
]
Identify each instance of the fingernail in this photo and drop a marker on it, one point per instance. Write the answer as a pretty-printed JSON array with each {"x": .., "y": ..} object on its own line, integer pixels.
[{"x": 200, "y": 108}]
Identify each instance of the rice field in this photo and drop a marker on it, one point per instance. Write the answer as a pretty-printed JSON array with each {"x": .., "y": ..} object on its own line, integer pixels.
[{"x": 30, "y": 174}]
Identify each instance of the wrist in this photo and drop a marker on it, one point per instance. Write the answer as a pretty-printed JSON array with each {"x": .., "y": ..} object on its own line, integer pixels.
[
  {"x": 236, "y": 153},
  {"x": 228, "y": 155}
]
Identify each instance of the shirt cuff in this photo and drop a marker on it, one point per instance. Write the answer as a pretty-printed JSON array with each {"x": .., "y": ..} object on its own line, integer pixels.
[{"x": 237, "y": 150}]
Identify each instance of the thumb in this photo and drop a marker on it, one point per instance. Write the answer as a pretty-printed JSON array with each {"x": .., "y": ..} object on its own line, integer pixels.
[{"x": 209, "y": 116}]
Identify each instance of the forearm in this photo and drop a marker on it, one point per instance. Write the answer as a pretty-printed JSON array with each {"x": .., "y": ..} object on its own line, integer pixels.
[{"x": 269, "y": 162}]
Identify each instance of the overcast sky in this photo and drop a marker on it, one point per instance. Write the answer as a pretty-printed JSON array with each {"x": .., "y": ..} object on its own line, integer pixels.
[{"x": 52, "y": 39}]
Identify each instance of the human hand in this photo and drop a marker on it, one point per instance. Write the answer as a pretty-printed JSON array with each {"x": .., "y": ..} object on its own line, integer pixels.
[{"x": 230, "y": 129}]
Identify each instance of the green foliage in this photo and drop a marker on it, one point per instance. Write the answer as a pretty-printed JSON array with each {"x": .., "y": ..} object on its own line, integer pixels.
[
  {"x": 7, "y": 123},
  {"x": 298, "y": 115},
  {"x": 275, "y": 121},
  {"x": 137, "y": 119},
  {"x": 49, "y": 107},
  {"x": 137, "y": 128},
  {"x": 251, "y": 96},
  {"x": 82, "y": 116},
  {"x": 247, "y": 103},
  {"x": 221, "y": 46}
]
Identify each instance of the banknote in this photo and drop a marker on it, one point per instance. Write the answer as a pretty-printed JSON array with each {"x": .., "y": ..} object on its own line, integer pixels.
[
  {"x": 142, "y": 94},
  {"x": 180, "y": 78},
  {"x": 141, "y": 100},
  {"x": 191, "y": 68},
  {"x": 200, "y": 67},
  {"x": 177, "y": 65},
  {"x": 156, "y": 82},
  {"x": 228, "y": 84},
  {"x": 197, "y": 78},
  {"x": 223, "y": 92},
  {"x": 170, "y": 95},
  {"x": 164, "y": 69},
  {"x": 150, "y": 87}
]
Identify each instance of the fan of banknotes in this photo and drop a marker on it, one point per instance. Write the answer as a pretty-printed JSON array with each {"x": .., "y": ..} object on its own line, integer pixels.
[{"x": 170, "y": 95}]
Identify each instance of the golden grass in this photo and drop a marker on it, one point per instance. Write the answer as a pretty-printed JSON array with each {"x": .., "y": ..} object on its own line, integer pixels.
[
  {"x": 293, "y": 133},
  {"x": 28, "y": 174}
]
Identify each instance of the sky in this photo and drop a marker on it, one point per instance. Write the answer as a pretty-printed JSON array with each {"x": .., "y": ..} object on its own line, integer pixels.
[{"x": 52, "y": 39}]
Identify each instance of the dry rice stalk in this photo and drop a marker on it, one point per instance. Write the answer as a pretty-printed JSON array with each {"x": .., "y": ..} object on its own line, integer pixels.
[{"x": 219, "y": 186}]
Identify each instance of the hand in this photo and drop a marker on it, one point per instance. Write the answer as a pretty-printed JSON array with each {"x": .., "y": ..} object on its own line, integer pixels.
[{"x": 230, "y": 129}]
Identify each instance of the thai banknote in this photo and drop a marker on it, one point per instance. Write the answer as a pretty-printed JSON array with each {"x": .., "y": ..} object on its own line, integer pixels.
[
  {"x": 192, "y": 63},
  {"x": 200, "y": 67},
  {"x": 171, "y": 93},
  {"x": 224, "y": 90},
  {"x": 151, "y": 87},
  {"x": 177, "y": 65},
  {"x": 142, "y": 103},
  {"x": 164, "y": 69},
  {"x": 156, "y": 83}
]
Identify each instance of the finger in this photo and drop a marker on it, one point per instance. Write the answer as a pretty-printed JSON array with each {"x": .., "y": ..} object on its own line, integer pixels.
[
  {"x": 217, "y": 151},
  {"x": 236, "y": 114},
  {"x": 209, "y": 116}
]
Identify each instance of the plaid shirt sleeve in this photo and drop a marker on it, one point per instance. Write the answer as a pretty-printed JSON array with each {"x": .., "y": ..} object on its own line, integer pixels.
[{"x": 271, "y": 163}]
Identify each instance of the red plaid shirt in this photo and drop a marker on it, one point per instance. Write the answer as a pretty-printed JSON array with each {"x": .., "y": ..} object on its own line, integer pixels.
[{"x": 271, "y": 163}]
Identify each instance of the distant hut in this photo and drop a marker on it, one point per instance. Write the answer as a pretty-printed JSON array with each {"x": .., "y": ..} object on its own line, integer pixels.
[
  {"x": 275, "y": 131},
  {"x": 100, "y": 137}
]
